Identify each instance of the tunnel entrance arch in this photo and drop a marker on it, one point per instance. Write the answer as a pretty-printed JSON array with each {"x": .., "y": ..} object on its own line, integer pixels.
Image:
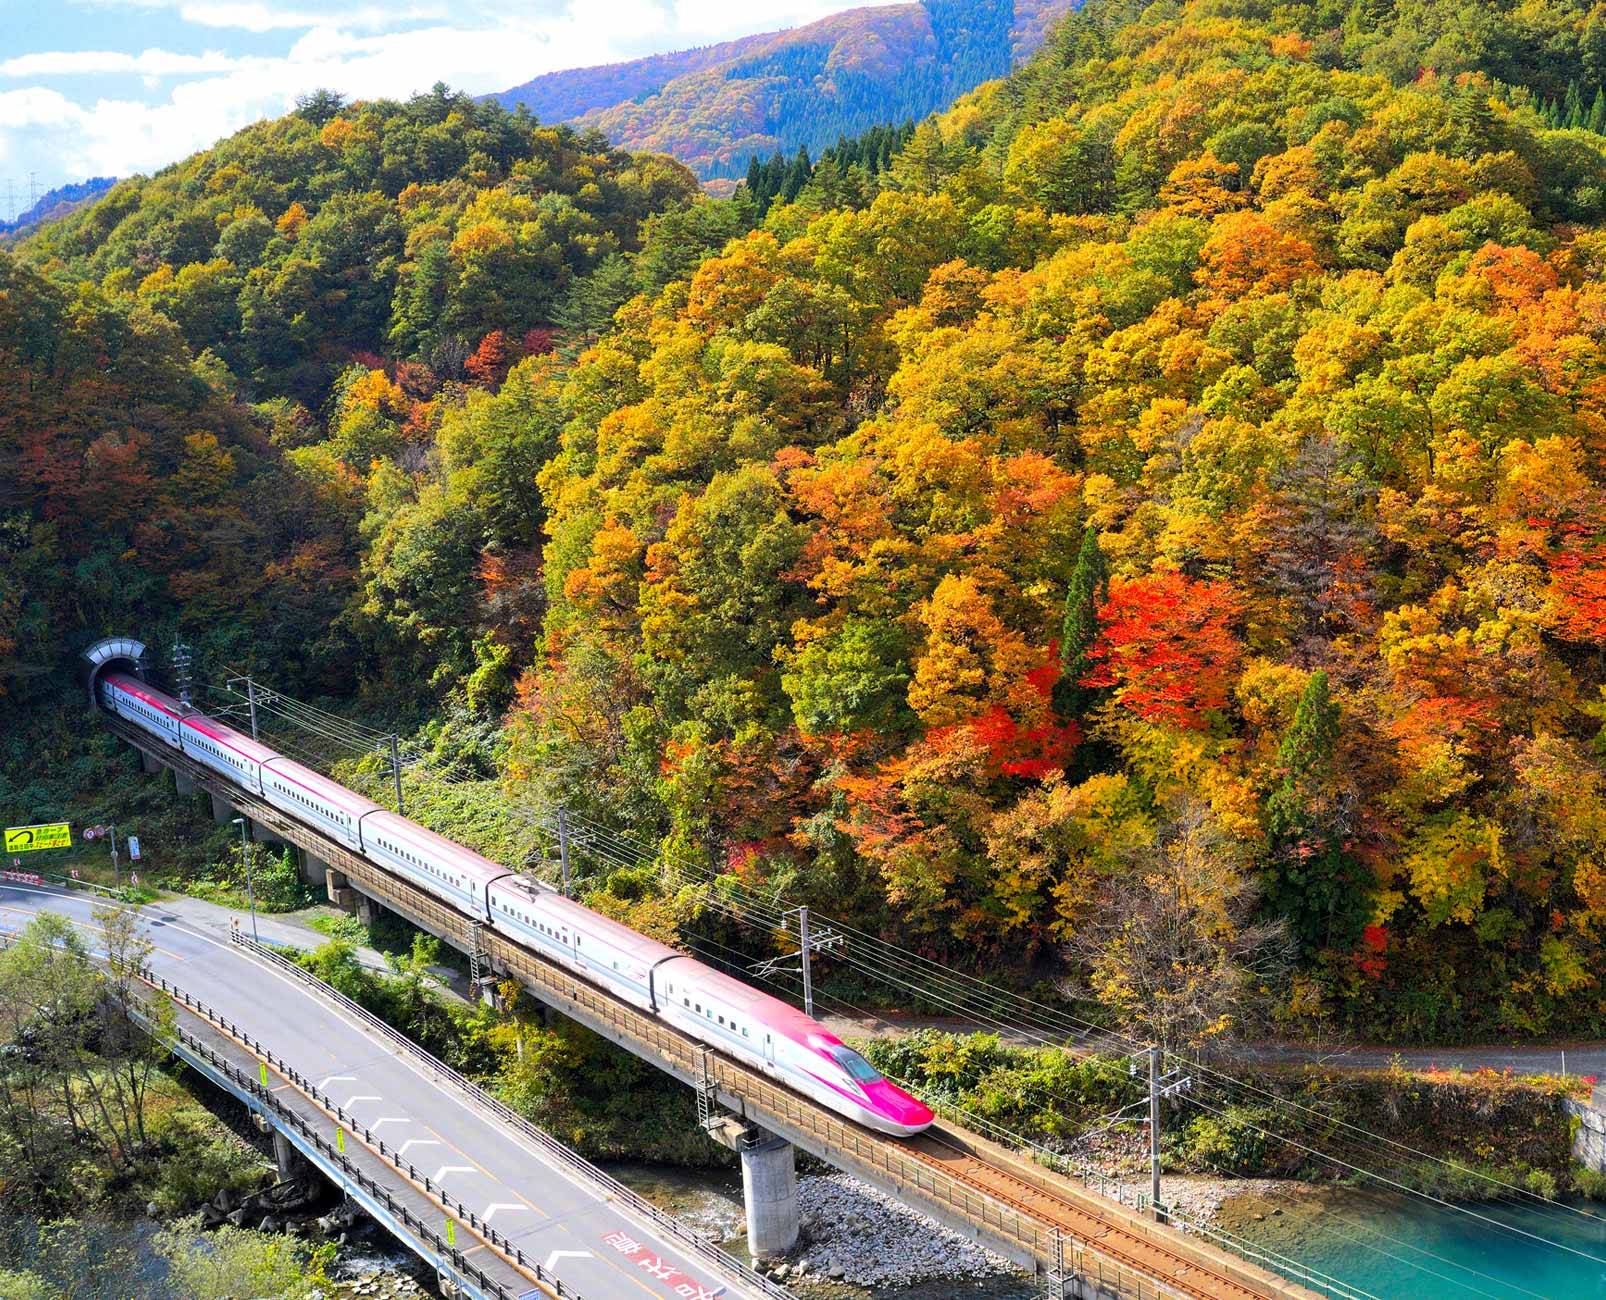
[{"x": 124, "y": 653}]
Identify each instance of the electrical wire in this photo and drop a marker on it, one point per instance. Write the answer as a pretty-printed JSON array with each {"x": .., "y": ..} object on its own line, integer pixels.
[{"x": 889, "y": 964}]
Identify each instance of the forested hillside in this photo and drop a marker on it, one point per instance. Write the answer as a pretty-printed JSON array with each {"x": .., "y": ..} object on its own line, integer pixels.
[
  {"x": 718, "y": 107},
  {"x": 200, "y": 438},
  {"x": 1166, "y": 529},
  {"x": 1147, "y": 533},
  {"x": 56, "y": 203}
]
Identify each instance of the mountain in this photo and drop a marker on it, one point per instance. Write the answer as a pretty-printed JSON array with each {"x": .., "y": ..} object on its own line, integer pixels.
[
  {"x": 716, "y": 107},
  {"x": 57, "y": 203}
]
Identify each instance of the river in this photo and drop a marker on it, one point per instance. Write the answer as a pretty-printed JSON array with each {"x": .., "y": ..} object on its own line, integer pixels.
[
  {"x": 1387, "y": 1246},
  {"x": 1399, "y": 1247}
]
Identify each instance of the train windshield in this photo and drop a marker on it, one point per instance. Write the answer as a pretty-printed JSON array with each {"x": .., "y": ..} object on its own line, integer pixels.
[{"x": 857, "y": 1067}]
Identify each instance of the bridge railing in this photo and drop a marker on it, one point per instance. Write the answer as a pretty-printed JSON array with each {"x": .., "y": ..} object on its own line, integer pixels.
[
  {"x": 876, "y": 1157},
  {"x": 688, "y": 1239},
  {"x": 283, "y": 1115}
]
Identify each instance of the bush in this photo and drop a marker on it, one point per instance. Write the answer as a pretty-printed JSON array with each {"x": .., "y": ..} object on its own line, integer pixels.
[{"x": 1235, "y": 1142}]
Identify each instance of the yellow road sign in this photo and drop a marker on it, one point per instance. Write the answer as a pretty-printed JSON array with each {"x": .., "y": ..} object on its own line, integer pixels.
[{"x": 26, "y": 839}]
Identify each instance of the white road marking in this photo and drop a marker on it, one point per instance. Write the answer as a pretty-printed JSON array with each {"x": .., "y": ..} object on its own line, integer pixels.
[
  {"x": 362, "y": 1096},
  {"x": 336, "y": 1078},
  {"x": 416, "y": 1142},
  {"x": 490, "y": 1210},
  {"x": 390, "y": 1119},
  {"x": 556, "y": 1255},
  {"x": 453, "y": 1100},
  {"x": 451, "y": 1169}
]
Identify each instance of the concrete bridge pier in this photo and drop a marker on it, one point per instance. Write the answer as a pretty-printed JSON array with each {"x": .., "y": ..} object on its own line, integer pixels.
[
  {"x": 314, "y": 870},
  {"x": 769, "y": 1191},
  {"x": 292, "y": 1164},
  {"x": 183, "y": 783},
  {"x": 261, "y": 834},
  {"x": 147, "y": 762},
  {"x": 222, "y": 811}
]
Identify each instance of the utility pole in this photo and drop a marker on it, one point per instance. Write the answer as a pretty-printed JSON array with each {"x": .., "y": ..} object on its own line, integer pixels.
[
  {"x": 808, "y": 974},
  {"x": 181, "y": 670},
  {"x": 251, "y": 698},
  {"x": 1154, "y": 1130},
  {"x": 563, "y": 847},
  {"x": 250, "y": 887},
  {"x": 395, "y": 773},
  {"x": 810, "y": 941}
]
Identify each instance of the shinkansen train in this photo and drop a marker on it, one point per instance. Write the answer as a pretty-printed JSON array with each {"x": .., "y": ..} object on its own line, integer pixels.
[{"x": 722, "y": 1012}]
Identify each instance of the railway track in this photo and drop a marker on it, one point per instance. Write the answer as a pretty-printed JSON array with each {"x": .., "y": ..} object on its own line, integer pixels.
[
  {"x": 942, "y": 1170},
  {"x": 1184, "y": 1276}
]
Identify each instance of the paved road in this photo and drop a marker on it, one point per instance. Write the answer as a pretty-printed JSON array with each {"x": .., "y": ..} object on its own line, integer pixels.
[
  {"x": 1577, "y": 1058},
  {"x": 567, "y": 1224}
]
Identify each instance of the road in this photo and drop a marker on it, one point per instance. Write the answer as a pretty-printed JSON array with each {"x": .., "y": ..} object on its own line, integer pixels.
[
  {"x": 1576, "y": 1058},
  {"x": 582, "y": 1237}
]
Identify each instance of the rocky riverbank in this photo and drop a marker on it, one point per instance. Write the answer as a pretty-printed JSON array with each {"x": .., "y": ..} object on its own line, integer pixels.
[{"x": 1203, "y": 1199}]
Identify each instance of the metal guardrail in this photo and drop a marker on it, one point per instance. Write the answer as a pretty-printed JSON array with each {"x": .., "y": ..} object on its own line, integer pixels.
[
  {"x": 874, "y": 1156},
  {"x": 499, "y": 1110},
  {"x": 283, "y": 1115}
]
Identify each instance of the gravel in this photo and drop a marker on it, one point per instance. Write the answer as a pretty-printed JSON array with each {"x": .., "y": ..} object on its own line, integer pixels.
[{"x": 876, "y": 1241}]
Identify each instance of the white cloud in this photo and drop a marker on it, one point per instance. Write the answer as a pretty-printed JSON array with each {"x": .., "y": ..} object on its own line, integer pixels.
[
  {"x": 359, "y": 48},
  {"x": 147, "y": 63}
]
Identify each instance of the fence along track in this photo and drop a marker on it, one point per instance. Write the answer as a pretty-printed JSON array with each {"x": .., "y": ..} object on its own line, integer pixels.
[{"x": 1012, "y": 1204}]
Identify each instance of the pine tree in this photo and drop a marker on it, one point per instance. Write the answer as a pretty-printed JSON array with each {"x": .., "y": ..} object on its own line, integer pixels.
[
  {"x": 1089, "y": 586},
  {"x": 1596, "y": 121},
  {"x": 1572, "y": 108},
  {"x": 1310, "y": 863},
  {"x": 798, "y": 175}
]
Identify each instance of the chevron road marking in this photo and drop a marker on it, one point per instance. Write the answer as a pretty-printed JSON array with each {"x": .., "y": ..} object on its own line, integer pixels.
[
  {"x": 490, "y": 1210},
  {"x": 416, "y": 1142},
  {"x": 451, "y": 1169}
]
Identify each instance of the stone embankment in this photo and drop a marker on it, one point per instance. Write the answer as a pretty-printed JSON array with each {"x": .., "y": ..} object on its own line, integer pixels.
[{"x": 854, "y": 1234}]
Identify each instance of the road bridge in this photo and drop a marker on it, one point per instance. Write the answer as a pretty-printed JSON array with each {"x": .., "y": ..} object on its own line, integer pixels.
[
  {"x": 415, "y": 1144},
  {"x": 1078, "y": 1242}
]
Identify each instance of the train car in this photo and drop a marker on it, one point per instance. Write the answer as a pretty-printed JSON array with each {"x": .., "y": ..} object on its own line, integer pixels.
[
  {"x": 786, "y": 1044},
  {"x": 144, "y": 706},
  {"x": 585, "y": 941},
  {"x": 711, "y": 1007},
  {"x": 433, "y": 862},
  {"x": 225, "y": 750},
  {"x": 312, "y": 797}
]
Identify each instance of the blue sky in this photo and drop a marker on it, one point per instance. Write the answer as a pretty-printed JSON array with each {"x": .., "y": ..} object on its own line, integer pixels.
[{"x": 114, "y": 87}]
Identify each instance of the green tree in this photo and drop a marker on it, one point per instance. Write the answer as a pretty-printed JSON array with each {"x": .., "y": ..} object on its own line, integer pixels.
[
  {"x": 1310, "y": 880},
  {"x": 1079, "y": 629}
]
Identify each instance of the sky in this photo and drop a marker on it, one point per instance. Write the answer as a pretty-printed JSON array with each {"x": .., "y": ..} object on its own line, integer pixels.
[{"x": 115, "y": 87}]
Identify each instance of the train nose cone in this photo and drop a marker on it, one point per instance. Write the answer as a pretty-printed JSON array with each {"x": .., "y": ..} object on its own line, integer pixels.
[{"x": 899, "y": 1107}]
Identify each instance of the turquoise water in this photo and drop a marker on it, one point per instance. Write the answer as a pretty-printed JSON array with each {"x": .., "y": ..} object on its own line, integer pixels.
[{"x": 1404, "y": 1248}]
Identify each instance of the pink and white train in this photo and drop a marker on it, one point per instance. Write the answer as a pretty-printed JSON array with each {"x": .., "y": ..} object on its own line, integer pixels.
[{"x": 723, "y": 1012}]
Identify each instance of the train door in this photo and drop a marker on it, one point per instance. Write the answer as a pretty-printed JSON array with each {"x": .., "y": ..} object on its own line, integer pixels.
[{"x": 769, "y": 1047}]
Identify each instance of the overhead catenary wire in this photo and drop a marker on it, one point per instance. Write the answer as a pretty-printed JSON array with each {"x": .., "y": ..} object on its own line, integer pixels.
[{"x": 885, "y": 962}]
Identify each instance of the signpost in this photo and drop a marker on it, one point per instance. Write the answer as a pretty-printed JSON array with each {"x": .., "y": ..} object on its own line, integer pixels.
[
  {"x": 133, "y": 848},
  {"x": 95, "y": 832},
  {"x": 30, "y": 839}
]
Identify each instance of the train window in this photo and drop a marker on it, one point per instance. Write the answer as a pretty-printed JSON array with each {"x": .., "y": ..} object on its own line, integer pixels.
[
  {"x": 857, "y": 1067},
  {"x": 745, "y": 1034}
]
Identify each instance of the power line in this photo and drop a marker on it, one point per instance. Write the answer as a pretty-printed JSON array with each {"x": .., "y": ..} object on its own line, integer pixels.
[{"x": 888, "y": 964}]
